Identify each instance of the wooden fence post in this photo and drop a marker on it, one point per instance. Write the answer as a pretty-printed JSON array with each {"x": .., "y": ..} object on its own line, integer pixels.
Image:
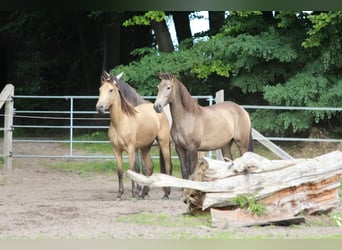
[
  {"x": 256, "y": 136},
  {"x": 219, "y": 97},
  {"x": 6, "y": 97}
]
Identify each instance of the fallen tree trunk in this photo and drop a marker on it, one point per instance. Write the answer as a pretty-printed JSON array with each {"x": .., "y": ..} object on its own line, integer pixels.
[{"x": 291, "y": 186}]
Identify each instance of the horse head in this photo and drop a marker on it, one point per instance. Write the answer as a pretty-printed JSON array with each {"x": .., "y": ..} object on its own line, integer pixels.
[
  {"x": 108, "y": 91},
  {"x": 165, "y": 90}
]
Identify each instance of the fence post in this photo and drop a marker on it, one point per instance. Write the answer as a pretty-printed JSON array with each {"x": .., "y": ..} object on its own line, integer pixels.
[
  {"x": 8, "y": 125},
  {"x": 219, "y": 97}
]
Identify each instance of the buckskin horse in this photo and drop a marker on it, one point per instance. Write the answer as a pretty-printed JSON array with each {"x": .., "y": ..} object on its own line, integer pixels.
[
  {"x": 196, "y": 128},
  {"x": 129, "y": 130}
]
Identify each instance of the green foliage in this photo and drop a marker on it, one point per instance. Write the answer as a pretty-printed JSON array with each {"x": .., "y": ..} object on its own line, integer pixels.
[
  {"x": 324, "y": 25},
  {"x": 248, "y": 202},
  {"x": 291, "y": 59},
  {"x": 145, "y": 19}
]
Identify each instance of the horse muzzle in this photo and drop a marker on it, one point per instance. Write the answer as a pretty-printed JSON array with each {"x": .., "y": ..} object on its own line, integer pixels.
[
  {"x": 100, "y": 108},
  {"x": 158, "y": 107}
]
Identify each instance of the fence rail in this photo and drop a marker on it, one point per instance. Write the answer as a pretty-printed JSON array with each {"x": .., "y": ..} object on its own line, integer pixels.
[{"x": 71, "y": 117}]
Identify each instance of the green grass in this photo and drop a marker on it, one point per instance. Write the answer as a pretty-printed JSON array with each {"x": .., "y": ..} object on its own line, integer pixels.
[
  {"x": 336, "y": 217},
  {"x": 1, "y": 162},
  {"x": 104, "y": 148},
  {"x": 166, "y": 220},
  {"x": 86, "y": 168}
]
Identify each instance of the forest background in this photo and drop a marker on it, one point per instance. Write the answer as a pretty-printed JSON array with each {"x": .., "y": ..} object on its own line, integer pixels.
[{"x": 257, "y": 57}]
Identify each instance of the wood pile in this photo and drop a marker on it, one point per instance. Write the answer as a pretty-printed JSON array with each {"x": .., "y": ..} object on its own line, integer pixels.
[{"x": 286, "y": 189}]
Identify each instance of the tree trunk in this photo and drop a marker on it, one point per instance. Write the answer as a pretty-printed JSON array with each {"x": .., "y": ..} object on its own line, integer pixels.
[
  {"x": 112, "y": 48},
  {"x": 163, "y": 36},
  {"x": 132, "y": 38},
  {"x": 216, "y": 20},
  {"x": 289, "y": 187},
  {"x": 90, "y": 58},
  {"x": 182, "y": 25}
]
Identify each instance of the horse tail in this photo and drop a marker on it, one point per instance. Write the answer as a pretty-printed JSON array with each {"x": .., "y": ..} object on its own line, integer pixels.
[{"x": 251, "y": 142}]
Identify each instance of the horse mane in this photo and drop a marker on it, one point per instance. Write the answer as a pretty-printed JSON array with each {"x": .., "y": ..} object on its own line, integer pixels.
[
  {"x": 127, "y": 106},
  {"x": 190, "y": 104},
  {"x": 130, "y": 93}
]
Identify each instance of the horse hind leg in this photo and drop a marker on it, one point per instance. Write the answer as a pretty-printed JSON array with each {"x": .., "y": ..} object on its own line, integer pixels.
[
  {"x": 118, "y": 157},
  {"x": 245, "y": 144},
  {"x": 137, "y": 163},
  {"x": 251, "y": 142},
  {"x": 146, "y": 155},
  {"x": 165, "y": 166},
  {"x": 227, "y": 151}
]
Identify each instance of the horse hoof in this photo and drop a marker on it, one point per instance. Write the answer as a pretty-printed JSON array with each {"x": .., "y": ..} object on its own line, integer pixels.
[
  {"x": 118, "y": 197},
  {"x": 165, "y": 197},
  {"x": 141, "y": 197}
]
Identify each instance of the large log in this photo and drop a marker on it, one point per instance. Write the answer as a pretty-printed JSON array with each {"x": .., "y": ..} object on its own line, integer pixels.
[{"x": 291, "y": 186}]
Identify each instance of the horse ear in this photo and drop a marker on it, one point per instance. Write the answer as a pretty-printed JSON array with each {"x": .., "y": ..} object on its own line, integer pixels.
[
  {"x": 112, "y": 79},
  {"x": 160, "y": 75},
  {"x": 105, "y": 76},
  {"x": 119, "y": 75},
  {"x": 170, "y": 76}
]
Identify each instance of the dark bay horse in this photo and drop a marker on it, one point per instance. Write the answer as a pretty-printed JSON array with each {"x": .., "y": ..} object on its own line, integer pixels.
[
  {"x": 196, "y": 128},
  {"x": 133, "y": 128}
]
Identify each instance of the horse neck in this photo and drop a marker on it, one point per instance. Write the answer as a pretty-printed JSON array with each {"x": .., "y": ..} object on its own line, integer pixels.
[
  {"x": 116, "y": 113},
  {"x": 182, "y": 103}
]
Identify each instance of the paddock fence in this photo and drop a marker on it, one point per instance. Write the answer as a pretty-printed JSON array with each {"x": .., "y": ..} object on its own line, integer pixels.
[{"x": 71, "y": 118}]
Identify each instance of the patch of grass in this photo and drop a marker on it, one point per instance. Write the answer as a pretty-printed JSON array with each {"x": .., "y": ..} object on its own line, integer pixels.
[
  {"x": 86, "y": 168},
  {"x": 337, "y": 218},
  {"x": 166, "y": 220},
  {"x": 248, "y": 202},
  {"x": 104, "y": 148},
  {"x": 1, "y": 162}
]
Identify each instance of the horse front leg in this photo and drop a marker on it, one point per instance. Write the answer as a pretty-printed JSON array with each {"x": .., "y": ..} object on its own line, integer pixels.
[
  {"x": 193, "y": 158},
  {"x": 118, "y": 157},
  {"x": 181, "y": 152}
]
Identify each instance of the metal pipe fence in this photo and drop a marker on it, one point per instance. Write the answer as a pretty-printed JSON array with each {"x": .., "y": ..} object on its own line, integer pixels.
[{"x": 69, "y": 119}]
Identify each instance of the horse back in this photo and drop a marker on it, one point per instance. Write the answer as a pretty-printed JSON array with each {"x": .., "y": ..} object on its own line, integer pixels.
[
  {"x": 222, "y": 122},
  {"x": 149, "y": 123}
]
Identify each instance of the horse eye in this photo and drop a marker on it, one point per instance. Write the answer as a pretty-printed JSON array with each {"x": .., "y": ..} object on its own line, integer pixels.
[
  {"x": 168, "y": 87},
  {"x": 111, "y": 90}
]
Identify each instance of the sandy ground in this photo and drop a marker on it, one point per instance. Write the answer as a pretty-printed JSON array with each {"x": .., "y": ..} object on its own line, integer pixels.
[{"x": 37, "y": 201}]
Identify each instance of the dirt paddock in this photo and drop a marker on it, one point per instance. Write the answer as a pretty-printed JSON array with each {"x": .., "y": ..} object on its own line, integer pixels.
[{"x": 37, "y": 201}]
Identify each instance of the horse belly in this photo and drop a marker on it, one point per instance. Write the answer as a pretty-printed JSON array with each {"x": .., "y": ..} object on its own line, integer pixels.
[
  {"x": 146, "y": 130},
  {"x": 213, "y": 141},
  {"x": 217, "y": 132}
]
